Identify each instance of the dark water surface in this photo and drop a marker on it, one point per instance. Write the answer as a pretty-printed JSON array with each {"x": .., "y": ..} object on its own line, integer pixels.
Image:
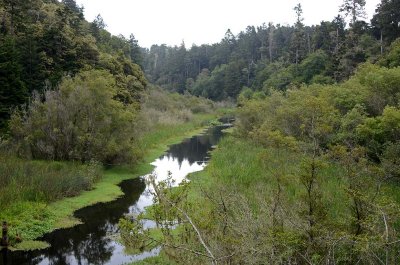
[{"x": 93, "y": 242}]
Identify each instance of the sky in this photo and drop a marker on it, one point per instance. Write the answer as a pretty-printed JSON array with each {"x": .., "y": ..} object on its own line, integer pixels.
[{"x": 204, "y": 21}]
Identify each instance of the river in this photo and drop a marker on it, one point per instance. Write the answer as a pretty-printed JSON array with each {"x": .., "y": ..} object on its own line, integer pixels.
[{"x": 93, "y": 242}]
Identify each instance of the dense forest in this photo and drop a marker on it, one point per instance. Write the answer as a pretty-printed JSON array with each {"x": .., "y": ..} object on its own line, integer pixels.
[
  {"x": 276, "y": 56},
  {"x": 309, "y": 173}
]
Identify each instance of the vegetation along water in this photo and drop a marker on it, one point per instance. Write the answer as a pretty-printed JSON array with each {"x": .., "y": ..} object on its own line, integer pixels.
[{"x": 308, "y": 174}]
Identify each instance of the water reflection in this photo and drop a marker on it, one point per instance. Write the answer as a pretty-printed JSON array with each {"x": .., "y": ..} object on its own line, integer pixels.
[
  {"x": 195, "y": 149},
  {"x": 93, "y": 242},
  {"x": 4, "y": 256}
]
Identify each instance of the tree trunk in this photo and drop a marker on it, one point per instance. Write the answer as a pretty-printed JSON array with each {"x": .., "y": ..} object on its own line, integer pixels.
[{"x": 271, "y": 41}]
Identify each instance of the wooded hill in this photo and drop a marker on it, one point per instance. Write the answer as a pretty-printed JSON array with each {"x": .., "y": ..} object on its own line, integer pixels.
[
  {"x": 275, "y": 56},
  {"x": 41, "y": 41}
]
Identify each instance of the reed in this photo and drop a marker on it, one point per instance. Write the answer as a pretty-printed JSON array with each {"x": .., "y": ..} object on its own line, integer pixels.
[{"x": 44, "y": 181}]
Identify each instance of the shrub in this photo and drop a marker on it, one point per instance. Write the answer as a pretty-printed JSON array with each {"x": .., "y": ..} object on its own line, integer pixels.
[{"x": 81, "y": 121}]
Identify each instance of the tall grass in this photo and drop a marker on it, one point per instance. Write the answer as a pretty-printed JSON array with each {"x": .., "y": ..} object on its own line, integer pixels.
[
  {"x": 251, "y": 168},
  {"x": 43, "y": 181}
]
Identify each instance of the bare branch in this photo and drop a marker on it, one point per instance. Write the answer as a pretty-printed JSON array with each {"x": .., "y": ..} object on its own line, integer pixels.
[{"x": 195, "y": 229}]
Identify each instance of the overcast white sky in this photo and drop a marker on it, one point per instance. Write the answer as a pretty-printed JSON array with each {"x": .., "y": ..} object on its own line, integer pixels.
[{"x": 203, "y": 21}]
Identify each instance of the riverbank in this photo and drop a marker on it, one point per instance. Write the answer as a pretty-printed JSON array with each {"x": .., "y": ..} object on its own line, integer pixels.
[{"x": 33, "y": 219}]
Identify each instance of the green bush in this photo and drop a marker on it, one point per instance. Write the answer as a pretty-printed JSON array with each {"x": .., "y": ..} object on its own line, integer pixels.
[{"x": 80, "y": 121}]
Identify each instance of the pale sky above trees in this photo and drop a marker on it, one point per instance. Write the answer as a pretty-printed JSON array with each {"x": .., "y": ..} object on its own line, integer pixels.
[{"x": 206, "y": 21}]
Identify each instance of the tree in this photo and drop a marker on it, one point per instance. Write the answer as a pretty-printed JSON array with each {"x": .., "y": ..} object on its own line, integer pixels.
[
  {"x": 354, "y": 8},
  {"x": 12, "y": 88},
  {"x": 97, "y": 26},
  {"x": 71, "y": 4},
  {"x": 271, "y": 30},
  {"x": 234, "y": 78},
  {"x": 17, "y": 10},
  {"x": 314, "y": 64},
  {"x": 229, "y": 39},
  {"x": 298, "y": 41},
  {"x": 386, "y": 21},
  {"x": 135, "y": 52}
]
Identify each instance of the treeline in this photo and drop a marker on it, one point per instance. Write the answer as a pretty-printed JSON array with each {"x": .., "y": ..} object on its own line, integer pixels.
[
  {"x": 42, "y": 41},
  {"x": 277, "y": 56}
]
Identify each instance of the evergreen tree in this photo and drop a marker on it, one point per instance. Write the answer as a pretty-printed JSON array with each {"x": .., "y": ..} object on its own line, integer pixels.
[
  {"x": 354, "y": 8},
  {"x": 135, "y": 52},
  {"x": 96, "y": 26},
  {"x": 298, "y": 42},
  {"x": 12, "y": 88},
  {"x": 386, "y": 21}
]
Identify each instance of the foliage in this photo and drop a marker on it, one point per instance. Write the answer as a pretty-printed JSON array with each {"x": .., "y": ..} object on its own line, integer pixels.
[
  {"x": 376, "y": 132},
  {"x": 390, "y": 160},
  {"x": 392, "y": 59},
  {"x": 80, "y": 121},
  {"x": 164, "y": 108}
]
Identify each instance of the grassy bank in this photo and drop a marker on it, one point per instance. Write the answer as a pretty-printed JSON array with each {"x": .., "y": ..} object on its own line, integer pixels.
[{"x": 33, "y": 218}]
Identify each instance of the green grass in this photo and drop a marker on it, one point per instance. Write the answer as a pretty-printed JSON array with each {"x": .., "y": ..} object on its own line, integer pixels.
[{"x": 32, "y": 245}]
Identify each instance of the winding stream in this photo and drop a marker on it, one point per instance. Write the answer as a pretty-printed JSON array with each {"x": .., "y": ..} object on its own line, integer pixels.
[{"x": 93, "y": 242}]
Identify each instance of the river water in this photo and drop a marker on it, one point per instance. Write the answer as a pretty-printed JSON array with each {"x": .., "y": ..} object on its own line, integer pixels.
[{"x": 93, "y": 242}]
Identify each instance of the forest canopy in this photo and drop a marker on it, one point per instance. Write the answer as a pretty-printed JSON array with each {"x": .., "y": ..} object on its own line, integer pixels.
[{"x": 276, "y": 56}]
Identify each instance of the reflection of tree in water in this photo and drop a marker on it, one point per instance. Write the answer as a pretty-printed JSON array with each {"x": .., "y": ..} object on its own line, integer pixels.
[
  {"x": 96, "y": 253},
  {"x": 87, "y": 243},
  {"x": 196, "y": 148},
  {"x": 92, "y": 248}
]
